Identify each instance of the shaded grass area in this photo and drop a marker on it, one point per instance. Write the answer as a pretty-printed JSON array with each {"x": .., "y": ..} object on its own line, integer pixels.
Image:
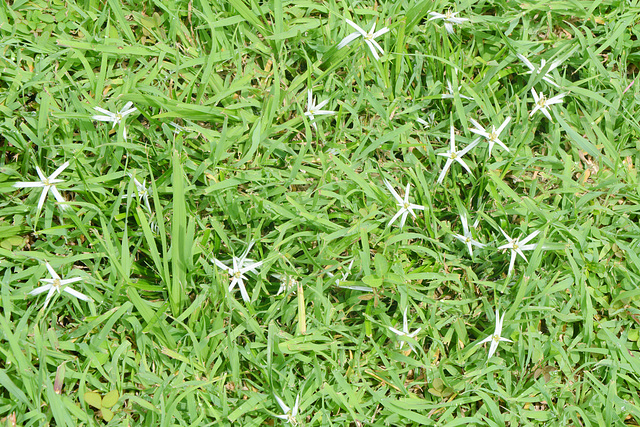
[{"x": 244, "y": 163}]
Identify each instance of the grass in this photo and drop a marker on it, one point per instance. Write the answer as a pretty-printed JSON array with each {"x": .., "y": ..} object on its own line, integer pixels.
[{"x": 162, "y": 329}]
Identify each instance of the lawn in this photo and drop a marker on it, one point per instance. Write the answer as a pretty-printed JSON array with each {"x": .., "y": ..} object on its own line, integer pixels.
[{"x": 349, "y": 213}]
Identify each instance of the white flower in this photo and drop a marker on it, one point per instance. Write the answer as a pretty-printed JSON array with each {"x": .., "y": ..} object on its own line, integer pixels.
[
  {"x": 369, "y": 38},
  {"x": 143, "y": 191},
  {"x": 241, "y": 266},
  {"x": 495, "y": 338},
  {"x": 431, "y": 118},
  {"x": 466, "y": 237},
  {"x": 315, "y": 110},
  {"x": 492, "y": 137},
  {"x": 405, "y": 331},
  {"x": 449, "y": 19},
  {"x": 344, "y": 277},
  {"x": 542, "y": 103},
  {"x": 405, "y": 207},
  {"x": 533, "y": 69},
  {"x": 46, "y": 183},
  {"x": 290, "y": 414},
  {"x": 115, "y": 118},
  {"x": 450, "y": 94},
  {"x": 288, "y": 283},
  {"x": 56, "y": 284},
  {"x": 517, "y": 246},
  {"x": 453, "y": 155}
]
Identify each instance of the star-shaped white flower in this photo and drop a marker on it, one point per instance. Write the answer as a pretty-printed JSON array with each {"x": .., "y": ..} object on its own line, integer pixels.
[
  {"x": 453, "y": 155},
  {"x": 491, "y": 137},
  {"x": 315, "y": 110},
  {"x": 290, "y": 414},
  {"x": 533, "y": 69},
  {"x": 449, "y": 19},
  {"x": 345, "y": 276},
  {"x": 517, "y": 246},
  {"x": 143, "y": 191},
  {"x": 542, "y": 103},
  {"x": 405, "y": 207},
  {"x": 241, "y": 266},
  {"x": 288, "y": 283},
  {"x": 369, "y": 38},
  {"x": 451, "y": 95},
  {"x": 115, "y": 118},
  {"x": 495, "y": 338},
  {"x": 56, "y": 284},
  {"x": 429, "y": 121},
  {"x": 405, "y": 331},
  {"x": 46, "y": 183},
  {"x": 466, "y": 237}
]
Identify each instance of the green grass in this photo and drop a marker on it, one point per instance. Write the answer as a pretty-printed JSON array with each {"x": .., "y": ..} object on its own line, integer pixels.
[{"x": 163, "y": 330}]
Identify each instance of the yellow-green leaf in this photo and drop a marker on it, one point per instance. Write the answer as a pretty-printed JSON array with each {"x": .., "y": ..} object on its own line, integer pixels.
[
  {"x": 110, "y": 399},
  {"x": 107, "y": 414},
  {"x": 93, "y": 399}
]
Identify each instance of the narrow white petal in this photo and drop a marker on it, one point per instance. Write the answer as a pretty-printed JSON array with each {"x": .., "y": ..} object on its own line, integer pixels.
[
  {"x": 530, "y": 236},
  {"x": 348, "y": 39},
  {"x": 322, "y": 104},
  {"x": 243, "y": 291},
  {"x": 463, "y": 164},
  {"x": 519, "y": 252},
  {"x": 380, "y": 32},
  {"x": 452, "y": 140},
  {"x": 393, "y": 191},
  {"x": 470, "y": 248},
  {"x": 465, "y": 226},
  {"x": 512, "y": 262},
  {"x": 377, "y": 45},
  {"x": 103, "y": 118},
  {"x": 221, "y": 265},
  {"x": 526, "y": 62},
  {"x": 492, "y": 348},
  {"x": 283, "y": 406},
  {"x": 444, "y": 170},
  {"x": 43, "y": 196},
  {"x": 39, "y": 290},
  {"x": 460, "y": 237},
  {"x": 400, "y": 212},
  {"x": 477, "y": 125},
  {"x": 357, "y": 28},
  {"x": 503, "y": 125},
  {"x": 324, "y": 112},
  {"x": 487, "y": 339},
  {"x": 106, "y": 112},
  {"x": 28, "y": 184},
  {"x": 70, "y": 280},
  {"x": 76, "y": 294},
  {"x": 251, "y": 267},
  {"x": 395, "y": 331},
  {"x": 49, "y": 295},
  {"x": 505, "y": 234},
  {"x": 294, "y": 411},
  {"x": 535, "y": 95},
  {"x": 403, "y": 219},
  {"x": 59, "y": 170},
  {"x": 127, "y": 112},
  {"x": 309, "y": 99},
  {"x": 372, "y": 48},
  {"x": 40, "y": 173},
  {"x": 536, "y": 108},
  {"x": 58, "y": 197}
]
